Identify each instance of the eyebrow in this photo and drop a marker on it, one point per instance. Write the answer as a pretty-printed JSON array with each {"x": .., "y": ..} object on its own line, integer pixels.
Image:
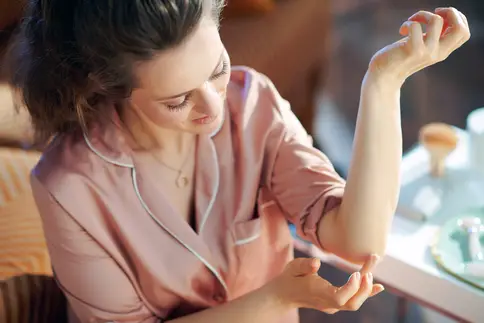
[{"x": 187, "y": 92}]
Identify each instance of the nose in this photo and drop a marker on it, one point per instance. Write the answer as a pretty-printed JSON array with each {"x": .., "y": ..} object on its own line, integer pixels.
[{"x": 210, "y": 100}]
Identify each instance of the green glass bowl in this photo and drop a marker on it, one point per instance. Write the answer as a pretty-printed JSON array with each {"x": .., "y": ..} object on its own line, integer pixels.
[{"x": 450, "y": 249}]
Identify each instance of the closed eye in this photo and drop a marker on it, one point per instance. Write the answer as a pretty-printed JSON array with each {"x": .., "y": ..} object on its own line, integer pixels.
[
  {"x": 176, "y": 107},
  {"x": 225, "y": 68},
  {"x": 223, "y": 71}
]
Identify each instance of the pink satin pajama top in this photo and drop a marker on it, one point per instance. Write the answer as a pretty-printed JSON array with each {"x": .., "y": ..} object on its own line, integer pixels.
[{"x": 120, "y": 252}]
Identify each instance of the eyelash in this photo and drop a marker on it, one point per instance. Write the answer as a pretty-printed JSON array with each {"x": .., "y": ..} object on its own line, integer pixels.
[{"x": 182, "y": 105}]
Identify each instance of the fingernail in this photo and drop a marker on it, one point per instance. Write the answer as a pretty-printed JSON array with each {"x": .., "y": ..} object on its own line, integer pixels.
[
  {"x": 357, "y": 275},
  {"x": 369, "y": 277},
  {"x": 380, "y": 290},
  {"x": 315, "y": 262},
  {"x": 378, "y": 293}
]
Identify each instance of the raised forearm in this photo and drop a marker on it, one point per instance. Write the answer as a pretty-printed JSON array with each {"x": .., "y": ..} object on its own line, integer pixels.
[
  {"x": 257, "y": 306},
  {"x": 361, "y": 224},
  {"x": 372, "y": 188}
]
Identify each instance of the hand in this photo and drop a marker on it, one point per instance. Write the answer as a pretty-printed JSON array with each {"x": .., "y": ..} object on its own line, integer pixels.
[
  {"x": 300, "y": 286},
  {"x": 447, "y": 29}
]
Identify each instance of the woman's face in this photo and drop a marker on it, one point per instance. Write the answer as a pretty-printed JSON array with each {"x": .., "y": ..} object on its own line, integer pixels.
[{"x": 184, "y": 88}]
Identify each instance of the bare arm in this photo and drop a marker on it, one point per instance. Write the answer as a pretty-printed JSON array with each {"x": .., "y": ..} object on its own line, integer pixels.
[
  {"x": 257, "y": 306},
  {"x": 298, "y": 286},
  {"x": 360, "y": 225}
]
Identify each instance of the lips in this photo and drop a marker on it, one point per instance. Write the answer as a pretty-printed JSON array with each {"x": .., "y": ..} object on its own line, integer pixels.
[{"x": 204, "y": 120}]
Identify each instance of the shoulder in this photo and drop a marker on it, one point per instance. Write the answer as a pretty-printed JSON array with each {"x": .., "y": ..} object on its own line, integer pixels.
[
  {"x": 252, "y": 94},
  {"x": 71, "y": 182},
  {"x": 255, "y": 103},
  {"x": 65, "y": 161}
]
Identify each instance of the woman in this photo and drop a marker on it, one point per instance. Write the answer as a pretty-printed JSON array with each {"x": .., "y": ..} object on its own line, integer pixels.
[{"x": 166, "y": 189}]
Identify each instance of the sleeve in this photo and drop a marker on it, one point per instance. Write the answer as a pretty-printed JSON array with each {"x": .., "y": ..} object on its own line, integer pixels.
[
  {"x": 300, "y": 177},
  {"x": 96, "y": 288}
]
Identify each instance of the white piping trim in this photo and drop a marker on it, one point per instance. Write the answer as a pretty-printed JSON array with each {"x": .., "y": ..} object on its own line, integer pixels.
[
  {"x": 147, "y": 209},
  {"x": 112, "y": 161},
  {"x": 247, "y": 240},
  {"x": 257, "y": 235},
  {"x": 109, "y": 160},
  {"x": 215, "y": 190},
  {"x": 267, "y": 204}
]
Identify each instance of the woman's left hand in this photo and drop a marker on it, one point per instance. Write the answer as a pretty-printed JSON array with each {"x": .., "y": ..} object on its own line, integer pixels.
[{"x": 446, "y": 30}]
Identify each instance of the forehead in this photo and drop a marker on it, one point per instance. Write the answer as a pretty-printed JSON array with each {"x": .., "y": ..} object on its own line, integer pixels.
[{"x": 184, "y": 67}]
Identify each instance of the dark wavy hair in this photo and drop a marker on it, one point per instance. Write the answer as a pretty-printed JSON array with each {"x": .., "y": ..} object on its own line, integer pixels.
[{"x": 72, "y": 57}]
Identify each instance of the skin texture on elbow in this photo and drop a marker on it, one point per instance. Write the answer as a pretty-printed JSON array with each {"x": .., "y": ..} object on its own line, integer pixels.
[{"x": 350, "y": 245}]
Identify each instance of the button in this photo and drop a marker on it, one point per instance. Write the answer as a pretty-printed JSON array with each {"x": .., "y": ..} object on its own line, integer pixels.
[{"x": 218, "y": 298}]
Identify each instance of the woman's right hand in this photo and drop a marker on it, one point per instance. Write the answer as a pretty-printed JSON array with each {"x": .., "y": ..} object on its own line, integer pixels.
[{"x": 299, "y": 286}]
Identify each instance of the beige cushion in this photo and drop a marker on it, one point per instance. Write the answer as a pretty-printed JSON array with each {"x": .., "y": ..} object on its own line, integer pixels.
[
  {"x": 15, "y": 168},
  {"x": 22, "y": 244},
  {"x": 28, "y": 292}
]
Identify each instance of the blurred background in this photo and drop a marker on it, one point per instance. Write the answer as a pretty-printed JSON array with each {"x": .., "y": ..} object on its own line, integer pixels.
[
  {"x": 446, "y": 92},
  {"x": 316, "y": 52}
]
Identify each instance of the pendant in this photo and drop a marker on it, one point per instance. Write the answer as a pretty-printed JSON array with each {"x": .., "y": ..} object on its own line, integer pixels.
[{"x": 182, "y": 181}]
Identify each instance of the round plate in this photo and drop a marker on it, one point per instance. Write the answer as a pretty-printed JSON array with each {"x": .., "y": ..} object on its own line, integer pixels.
[{"x": 450, "y": 249}]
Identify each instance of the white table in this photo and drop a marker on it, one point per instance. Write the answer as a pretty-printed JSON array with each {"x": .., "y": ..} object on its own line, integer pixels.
[{"x": 408, "y": 267}]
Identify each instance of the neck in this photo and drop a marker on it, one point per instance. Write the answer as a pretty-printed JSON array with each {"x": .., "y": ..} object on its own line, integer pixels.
[{"x": 149, "y": 138}]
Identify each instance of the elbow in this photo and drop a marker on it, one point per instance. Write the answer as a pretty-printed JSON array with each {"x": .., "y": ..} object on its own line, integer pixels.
[
  {"x": 359, "y": 253},
  {"x": 361, "y": 239},
  {"x": 354, "y": 238}
]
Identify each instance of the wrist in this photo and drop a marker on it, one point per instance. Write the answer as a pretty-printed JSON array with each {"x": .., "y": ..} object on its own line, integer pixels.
[
  {"x": 381, "y": 81},
  {"x": 275, "y": 291}
]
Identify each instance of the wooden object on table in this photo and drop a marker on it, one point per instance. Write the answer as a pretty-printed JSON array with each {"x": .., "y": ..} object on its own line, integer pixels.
[{"x": 439, "y": 139}]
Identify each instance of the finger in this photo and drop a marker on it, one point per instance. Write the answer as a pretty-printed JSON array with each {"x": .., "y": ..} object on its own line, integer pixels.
[
  {"x": 370, "y": 264},
  {"x": 467, "y": 35},
  {"x": 434, "y": 23},
  {"x": 444, "y": 11},
  {"x": 415, "y": 34},
  {"x": 331, "y": 311},
  {"x": 464, "y": 18},
  {"x": 405, "y": 28},
  {"x": 458, "y": 31},
  {"x": 304, "y": 266},
  {"x": 377, "y": 289},
  {"x": 363, "y": 293},
  {"x": 344, "y": 293}
]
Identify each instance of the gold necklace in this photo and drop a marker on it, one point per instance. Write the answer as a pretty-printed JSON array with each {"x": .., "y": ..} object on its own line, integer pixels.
[{"x": 182, "y": 180}]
